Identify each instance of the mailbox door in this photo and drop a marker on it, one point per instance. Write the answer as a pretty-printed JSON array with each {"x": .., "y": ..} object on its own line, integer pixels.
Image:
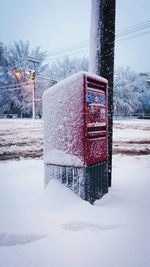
[{"x": 96, "y": 121}]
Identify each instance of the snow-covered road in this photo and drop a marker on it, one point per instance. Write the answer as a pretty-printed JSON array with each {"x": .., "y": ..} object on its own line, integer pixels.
[
  {"x": 22, "y": 138},
  {"x": 53, "y": 227}
]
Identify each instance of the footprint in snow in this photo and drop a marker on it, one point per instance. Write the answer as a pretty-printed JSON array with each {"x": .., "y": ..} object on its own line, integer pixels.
[
  {"x": 7, "y": 239},
  {"x": 79, "y": 226}
]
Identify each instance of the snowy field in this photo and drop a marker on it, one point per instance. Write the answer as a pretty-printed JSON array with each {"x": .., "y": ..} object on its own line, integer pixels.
[
  {"x": 24, "y": 138},
  {"x": 55, "y": 228}
]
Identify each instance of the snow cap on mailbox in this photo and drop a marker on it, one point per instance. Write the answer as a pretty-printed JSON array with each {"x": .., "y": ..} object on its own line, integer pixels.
[{"x": 64, "y": 121}]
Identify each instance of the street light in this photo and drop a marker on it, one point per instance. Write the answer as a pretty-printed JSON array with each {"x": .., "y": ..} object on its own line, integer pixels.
[{"x": 18, "y": 74}]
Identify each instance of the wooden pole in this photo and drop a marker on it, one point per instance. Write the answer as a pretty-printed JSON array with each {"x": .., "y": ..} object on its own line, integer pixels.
[{"x": 102, "y": 40}]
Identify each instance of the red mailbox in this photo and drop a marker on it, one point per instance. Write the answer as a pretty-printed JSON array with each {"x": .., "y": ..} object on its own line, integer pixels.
[
  {"x": 96, "y": 134},
  {"x": 76, "y": 135}
]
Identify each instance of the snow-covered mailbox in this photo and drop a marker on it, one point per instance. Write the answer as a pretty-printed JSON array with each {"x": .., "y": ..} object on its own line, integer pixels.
[{"x": 75, "y": 134}]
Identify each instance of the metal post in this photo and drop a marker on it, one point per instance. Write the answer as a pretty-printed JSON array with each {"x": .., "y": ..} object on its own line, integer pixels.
[
  {"x": 33, "y": 90},
  {"x": 33, "y": 100}
]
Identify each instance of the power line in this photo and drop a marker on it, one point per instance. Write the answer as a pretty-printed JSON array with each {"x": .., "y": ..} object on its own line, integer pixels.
[
  {"x": 76, "y": 48},
  {"x": 134, "y": 27},
  {"x": 13, "y": 86},
  {"x": 11, "y": 89},
  {"x": 133, "y": 30},
  {"x": 70, "y": 47},
  {"x": 72, "y": 52},
  {"x": 134, "y": 36}
]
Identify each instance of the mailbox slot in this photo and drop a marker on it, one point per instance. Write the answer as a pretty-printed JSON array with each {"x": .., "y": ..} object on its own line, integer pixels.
[{"x": 96, "y": 132}]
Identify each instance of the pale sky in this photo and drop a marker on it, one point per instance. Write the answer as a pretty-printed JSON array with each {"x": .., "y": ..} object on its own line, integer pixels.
[{"x": 54, "y": 24}]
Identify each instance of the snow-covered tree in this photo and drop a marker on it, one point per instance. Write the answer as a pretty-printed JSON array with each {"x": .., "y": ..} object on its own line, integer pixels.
[
  {"x": 16, "y": 90},
  {"x": 67, "y": 66},
  {"x": 1, "y": 55},
  {"x": 128, "y": 88},
  {"x": 145, "y": 96}
]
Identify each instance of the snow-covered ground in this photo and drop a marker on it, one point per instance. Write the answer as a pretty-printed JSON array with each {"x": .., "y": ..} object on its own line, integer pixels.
[
  {"x": 24, "y": 138},
  {"x": 53, "y": 227},
  {"x": 21, "y": 138},
  {"x": 131, "y": 137}
]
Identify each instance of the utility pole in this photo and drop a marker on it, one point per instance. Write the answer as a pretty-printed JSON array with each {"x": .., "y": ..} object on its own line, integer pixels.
[
  {"x": 34, "y": 61},
  {"x": 102, "y": 39}
]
